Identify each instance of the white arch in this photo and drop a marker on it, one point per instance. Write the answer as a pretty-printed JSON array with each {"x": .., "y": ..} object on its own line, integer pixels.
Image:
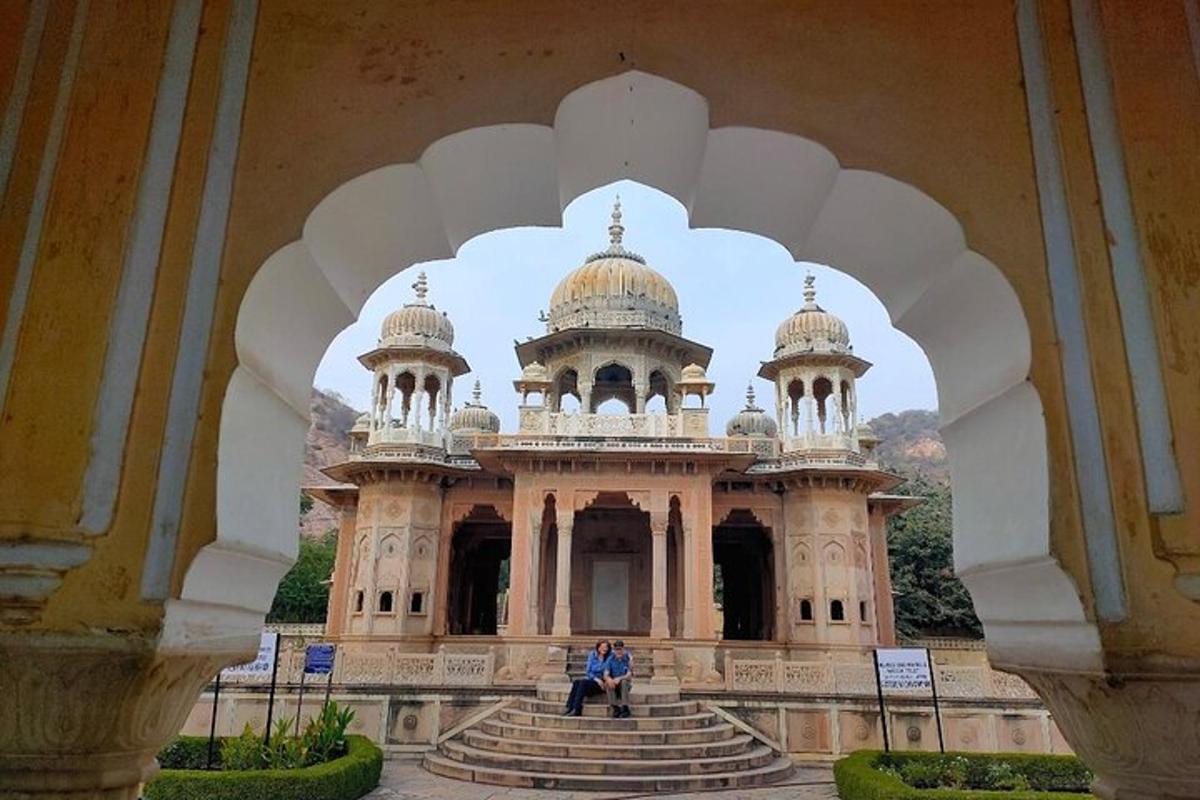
[{"x": 909, "y": 250}]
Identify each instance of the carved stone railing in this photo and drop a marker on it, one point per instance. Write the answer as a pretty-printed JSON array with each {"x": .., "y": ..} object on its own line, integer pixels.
[
  {"x": 390, "y": 667},
  {"x": 827, "y": 678},
  {"x": 408, "y": 435}
]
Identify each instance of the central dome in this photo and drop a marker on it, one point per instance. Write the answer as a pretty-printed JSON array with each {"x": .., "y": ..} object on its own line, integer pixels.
[
  {"x": 615, "y": 289},
  {"x": 418, "y": 323}
]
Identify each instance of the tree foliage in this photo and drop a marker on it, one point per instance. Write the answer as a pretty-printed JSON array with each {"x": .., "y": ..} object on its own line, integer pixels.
[
  {"x": 930, "y": 599},
  {"x": 303, "y": 594}
]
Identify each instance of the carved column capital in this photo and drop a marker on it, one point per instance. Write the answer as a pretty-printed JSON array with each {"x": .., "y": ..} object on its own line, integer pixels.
[{"x": 1138, "y": 733}]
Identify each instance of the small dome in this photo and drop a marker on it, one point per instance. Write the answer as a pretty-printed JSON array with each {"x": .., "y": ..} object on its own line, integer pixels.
[
  {"x": 418, "y": 323},
  {"x": 693, "y": 372},
  {"x": 475, "y": 416},
  {"x": 534, "y": 372},
  {"x": 751, "y": 420},
  {"x": 362, "y": 423},
  {"x": 615, "y": 289},
  {"x": 811, "y": 329}
]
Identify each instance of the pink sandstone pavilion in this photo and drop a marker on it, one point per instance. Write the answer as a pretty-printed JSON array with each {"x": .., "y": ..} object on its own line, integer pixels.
[{"x": 612, "y": 524}]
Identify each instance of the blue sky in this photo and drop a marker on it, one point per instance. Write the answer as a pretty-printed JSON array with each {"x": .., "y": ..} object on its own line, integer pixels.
[{"x": 734, "y": 289}]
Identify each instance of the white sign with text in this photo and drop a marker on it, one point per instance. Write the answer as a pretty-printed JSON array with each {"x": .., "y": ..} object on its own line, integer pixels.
[
  {"x": 263, "y": 664},
  {"x": 904, "y": 668}
]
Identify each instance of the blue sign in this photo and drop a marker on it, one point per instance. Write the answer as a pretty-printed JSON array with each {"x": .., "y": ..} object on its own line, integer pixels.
[{"x": 318, "y": 659}]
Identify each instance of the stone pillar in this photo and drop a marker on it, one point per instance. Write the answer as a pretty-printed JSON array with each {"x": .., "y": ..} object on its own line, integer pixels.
[
  {"x": 585, "y": 397},
  {"x": 659, "y": 620},
  {"x": 1137, "y": 730},
  {"x": 640, "y": 391},
  {"x": 533, "y": 616},
  {"x": 562, "y": 584},
  {"x": 84, "y": 716}
]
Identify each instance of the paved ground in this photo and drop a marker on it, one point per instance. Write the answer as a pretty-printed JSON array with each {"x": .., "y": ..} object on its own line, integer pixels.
[{"x": 406, "y": 780}]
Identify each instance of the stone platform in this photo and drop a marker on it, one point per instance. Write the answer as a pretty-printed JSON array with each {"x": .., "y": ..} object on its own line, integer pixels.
[{"x": 668, "y": 745}]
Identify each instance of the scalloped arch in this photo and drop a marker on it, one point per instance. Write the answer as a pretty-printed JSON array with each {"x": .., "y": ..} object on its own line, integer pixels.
[{"x": 908, "y": 249}]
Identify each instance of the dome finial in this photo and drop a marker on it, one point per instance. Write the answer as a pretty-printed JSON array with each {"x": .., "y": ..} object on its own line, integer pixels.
[
  {"x": 749, "y": 396},
  {"x": 421, "y": 287},
  {"x": 477, "y": 394},
  {"x": 616, "y": 230},
  {"x": 810, "y": 291}
]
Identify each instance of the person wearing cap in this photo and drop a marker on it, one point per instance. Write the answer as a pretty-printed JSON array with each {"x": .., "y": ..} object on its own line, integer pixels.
[{"x": 618, "y": 679}]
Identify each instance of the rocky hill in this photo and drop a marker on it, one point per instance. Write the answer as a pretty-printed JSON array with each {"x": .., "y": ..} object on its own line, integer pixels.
[
  {"x": 909, "y": 442},
  {"x": 328, "y": 442}
]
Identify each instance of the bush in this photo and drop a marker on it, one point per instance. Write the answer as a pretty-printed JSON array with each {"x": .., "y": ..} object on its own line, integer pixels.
[
  {"x": 871, "y": 775},
  {"x": 345, "y": 778},
  {"x": 188, "y": 752}
]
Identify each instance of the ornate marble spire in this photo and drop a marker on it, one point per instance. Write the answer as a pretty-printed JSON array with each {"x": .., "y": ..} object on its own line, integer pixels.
[
  {"x": 616, "y": 230},
  {"x": 810, "y": 292},
  {"x": 750, "y": 397},
  {"x": 477, "y": 394},
  {"x": 421, "y": 287}
]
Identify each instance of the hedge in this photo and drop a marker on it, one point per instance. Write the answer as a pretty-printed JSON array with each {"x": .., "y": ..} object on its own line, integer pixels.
[
  {"x": 345, "y": 778},
  {"x": 858, "y": 777}
]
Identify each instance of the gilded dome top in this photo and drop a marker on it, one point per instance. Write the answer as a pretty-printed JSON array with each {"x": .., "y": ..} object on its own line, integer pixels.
[
  {"x": 615, "y": 289},
  {"x": 811, "y": 329},
  {"x": 475, "y": 416},
  {"x": 751, "y": 420},
  {"x": 418, "y": 323}
]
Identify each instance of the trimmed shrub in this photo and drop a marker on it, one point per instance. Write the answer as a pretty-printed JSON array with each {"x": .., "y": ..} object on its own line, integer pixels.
[
  {"x": 189, "y": 752},
  {"x": 871, "y": 775},
  {"x": 346, "y": 778}
]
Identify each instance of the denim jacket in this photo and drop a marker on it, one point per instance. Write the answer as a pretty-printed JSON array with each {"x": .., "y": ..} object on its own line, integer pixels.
[{"x": 596, "y": 664}]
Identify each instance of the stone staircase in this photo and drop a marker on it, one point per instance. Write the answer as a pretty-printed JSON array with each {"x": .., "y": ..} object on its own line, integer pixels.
[{"x": 667, "y": 745}]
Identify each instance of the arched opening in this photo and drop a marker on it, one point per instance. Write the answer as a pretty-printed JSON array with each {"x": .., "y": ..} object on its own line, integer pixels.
[
  {"x": 611, "y": 564},
  {"x": 659, "y": 393},
  {"x": 548, "y": 574},
  {"x": 806, "y": 610},
  {"x": 405, "y": 386},
  {"x": 795, "y": 392},
  {"x": 385, "y": 602},
  {"x": 479, "y": 551},
  {"x": 847, "y": 407},
  {"x": 822, "y": 389},
  {"x": 566, "y": 391},
  {"x": 743, "y": 549},
  {"x": 837, "y": 611},
  {"x": 432, "y": 388},
  {"x": 909, "y": 250},
  {"x": 613, "y": 382}
]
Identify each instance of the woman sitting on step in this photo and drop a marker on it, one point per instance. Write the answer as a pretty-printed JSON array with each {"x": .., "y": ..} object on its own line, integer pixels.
[
  {"x": 618, "y": 680},
  {"x": 593, "y": 680}
]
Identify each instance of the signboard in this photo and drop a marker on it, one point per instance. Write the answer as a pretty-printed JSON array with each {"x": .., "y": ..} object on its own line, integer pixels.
[
  {"x": 904, "y": 668},
  {"x": 318, "y": 659},
  {"x": 264, "y": 664}
]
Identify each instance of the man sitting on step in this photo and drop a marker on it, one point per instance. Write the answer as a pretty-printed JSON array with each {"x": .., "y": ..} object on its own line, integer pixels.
[{"x": 618, "y": 679}]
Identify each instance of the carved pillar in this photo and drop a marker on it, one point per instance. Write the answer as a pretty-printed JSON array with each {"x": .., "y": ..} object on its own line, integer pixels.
[
  {"x": 659, "y": 621},
  {"x": 533, "y": 616},
  {"x": 640, "y": 391},
  {"x": 84, "y": 716},
  {"x": 562, "y": 588},
  {"x": 418, "y": 399},
  {"x": 585, "y": 397}
]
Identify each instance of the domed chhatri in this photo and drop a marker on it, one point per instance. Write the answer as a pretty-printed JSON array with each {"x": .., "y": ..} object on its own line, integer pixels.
[
  {"x": 751, "y": 420},
  {"x": 615, "y": 289},
  {"x": 418, "y": 322},
  {"x": 812, "y": 328},
  {"x": 475, "y": 416}
]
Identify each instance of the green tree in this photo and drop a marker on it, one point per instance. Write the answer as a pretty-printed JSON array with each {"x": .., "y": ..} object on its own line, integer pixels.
[
  {"x": 303, "y": 594},
  {"x": 930, "y": 599}
]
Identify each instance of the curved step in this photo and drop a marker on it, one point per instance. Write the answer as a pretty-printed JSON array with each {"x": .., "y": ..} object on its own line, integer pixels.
[
  {"x": 616, "y": 750},
  {"x": 720, "y": 731},
  {"x": 683, "y": 709},
  {"x": 604, "y": 724},
  {"x": 641, "y": 693},
  {"x": 753, "y": 758},
  {"x": 778, "y": 769}
]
